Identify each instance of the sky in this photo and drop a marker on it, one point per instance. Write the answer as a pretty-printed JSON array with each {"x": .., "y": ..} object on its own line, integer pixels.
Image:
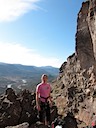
[{"x": 38, "y": 32}]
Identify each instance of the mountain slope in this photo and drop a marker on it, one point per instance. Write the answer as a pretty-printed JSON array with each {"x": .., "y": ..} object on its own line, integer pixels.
[
  {"x": 22, "y": 70},
  {"x": 23, "y": 77}
]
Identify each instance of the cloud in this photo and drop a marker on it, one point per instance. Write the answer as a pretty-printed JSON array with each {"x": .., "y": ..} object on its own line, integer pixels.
[
  {"x": 17, "y": 54},
  {"x": 12, "y": 9}
]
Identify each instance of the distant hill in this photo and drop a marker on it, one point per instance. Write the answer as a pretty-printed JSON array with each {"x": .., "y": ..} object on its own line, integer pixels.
[{"x": 22, "y": 76}]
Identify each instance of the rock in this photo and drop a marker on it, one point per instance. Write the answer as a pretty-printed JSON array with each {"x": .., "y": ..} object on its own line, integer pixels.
[
  {"x": 16, "y": 109},
  {"x": 38, "y": 125},
  {"x": 23, "y": 125}
]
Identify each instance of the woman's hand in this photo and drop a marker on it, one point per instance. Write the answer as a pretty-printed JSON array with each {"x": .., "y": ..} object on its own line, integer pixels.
[
  {"x": 50, "y": 104},
  {"x": 38, "y": 107}
]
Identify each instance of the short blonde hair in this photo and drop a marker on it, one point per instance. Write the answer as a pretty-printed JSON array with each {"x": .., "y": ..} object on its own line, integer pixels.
[{"x": 43, "y": 76}]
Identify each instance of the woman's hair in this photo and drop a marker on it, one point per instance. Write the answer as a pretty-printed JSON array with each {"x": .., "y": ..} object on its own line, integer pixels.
[{"x": 44, "y": 75}]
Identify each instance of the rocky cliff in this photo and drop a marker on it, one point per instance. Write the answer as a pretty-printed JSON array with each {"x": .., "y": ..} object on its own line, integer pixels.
[{"x": 74, "y": 91}]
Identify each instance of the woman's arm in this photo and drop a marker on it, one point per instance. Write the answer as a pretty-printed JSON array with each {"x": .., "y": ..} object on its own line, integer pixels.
[{"x": 37, "y": 100}]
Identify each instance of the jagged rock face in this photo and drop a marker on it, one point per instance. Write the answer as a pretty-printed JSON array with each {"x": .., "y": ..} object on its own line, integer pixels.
[
  {"x": 92, "y": 23},
  {"x": 86, "y": 34},
  {"x": 16, "y": 109},
  {"x": 74, "y": 91}
]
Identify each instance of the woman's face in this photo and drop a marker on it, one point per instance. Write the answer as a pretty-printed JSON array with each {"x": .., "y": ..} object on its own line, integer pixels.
[{"x": 44, "y": 78}]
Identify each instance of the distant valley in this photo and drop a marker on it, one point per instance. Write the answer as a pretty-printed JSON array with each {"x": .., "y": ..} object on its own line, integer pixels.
[{"x": 22, "y": 77}]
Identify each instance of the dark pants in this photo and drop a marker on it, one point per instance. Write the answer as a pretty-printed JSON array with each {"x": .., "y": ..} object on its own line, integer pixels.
[{"x": 44, "y": 112}]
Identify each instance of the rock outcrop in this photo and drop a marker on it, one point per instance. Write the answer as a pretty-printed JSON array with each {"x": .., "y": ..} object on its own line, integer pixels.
[
  {"x": 74, "y": 91},
  {"x": 16, "y": 109},
  {"x": 86, "y": 35}
]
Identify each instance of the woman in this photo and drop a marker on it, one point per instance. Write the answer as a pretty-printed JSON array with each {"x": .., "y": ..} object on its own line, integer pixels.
[{"x": 43, "y": 99}]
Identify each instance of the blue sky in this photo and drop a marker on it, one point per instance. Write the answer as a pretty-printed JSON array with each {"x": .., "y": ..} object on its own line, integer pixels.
[{"x": 38, "y": 32}]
